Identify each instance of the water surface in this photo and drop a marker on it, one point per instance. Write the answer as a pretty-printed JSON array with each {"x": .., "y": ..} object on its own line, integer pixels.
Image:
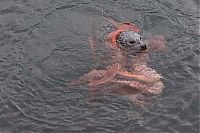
[{"x": 44, "y": 44}]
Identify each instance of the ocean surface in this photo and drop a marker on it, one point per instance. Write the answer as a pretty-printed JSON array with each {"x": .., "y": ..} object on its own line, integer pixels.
[{"x": 44, "y": 44}]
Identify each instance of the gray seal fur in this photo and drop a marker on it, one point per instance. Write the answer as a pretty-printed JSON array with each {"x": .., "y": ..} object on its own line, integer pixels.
[{"x": 131, "y": 40}]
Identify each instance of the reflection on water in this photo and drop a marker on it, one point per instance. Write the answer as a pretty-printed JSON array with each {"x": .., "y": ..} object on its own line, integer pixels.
[{"x": 44, "y": 44}]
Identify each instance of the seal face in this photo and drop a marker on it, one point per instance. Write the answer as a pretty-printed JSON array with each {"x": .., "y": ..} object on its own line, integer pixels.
[{"x": 131, "y": 40}]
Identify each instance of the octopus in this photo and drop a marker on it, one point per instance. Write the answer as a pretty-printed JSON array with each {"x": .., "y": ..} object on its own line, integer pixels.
[{"x": 127, "y": 73}]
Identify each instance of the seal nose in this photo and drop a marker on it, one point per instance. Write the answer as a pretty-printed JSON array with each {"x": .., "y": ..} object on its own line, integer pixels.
[{"x": 143, "y": 46}]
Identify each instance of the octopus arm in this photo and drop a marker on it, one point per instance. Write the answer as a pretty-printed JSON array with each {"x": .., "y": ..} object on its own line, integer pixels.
[
  {"x": 113, "y": 22},
  {"x": 137, "y": 99},
  {"x": 143, "y": 78},
  {"x": 155, "y": 88},
  {"x": 98, "y": 77}
]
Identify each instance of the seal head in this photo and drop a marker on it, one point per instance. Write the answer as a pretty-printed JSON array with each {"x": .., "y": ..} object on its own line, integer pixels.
[{"x": 131, "y": 40}]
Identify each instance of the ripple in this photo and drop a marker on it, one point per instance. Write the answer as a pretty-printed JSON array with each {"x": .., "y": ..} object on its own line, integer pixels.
[{"x": 43, "y": 44}]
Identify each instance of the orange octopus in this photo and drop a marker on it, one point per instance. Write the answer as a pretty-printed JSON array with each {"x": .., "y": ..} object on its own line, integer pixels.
[{"x": 127, "y": 76}]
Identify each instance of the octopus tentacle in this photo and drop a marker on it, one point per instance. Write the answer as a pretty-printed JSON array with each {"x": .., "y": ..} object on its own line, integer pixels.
[
  {"x": 155, "y": 88},
  {"x": 108, "y": 75},
  {"x": 136, "y": 99},
  {"x": 92, "y": 45},
  {"x": 143, "y": 78}
]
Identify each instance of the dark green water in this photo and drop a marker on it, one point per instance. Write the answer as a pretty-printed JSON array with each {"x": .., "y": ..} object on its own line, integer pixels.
[{"x": 44, "y": 44}]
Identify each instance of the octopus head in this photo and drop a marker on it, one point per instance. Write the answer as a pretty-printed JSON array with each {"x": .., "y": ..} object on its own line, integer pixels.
[{"x": 131, "y": 40}]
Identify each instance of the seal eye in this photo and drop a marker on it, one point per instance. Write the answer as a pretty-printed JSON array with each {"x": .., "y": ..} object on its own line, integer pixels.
[{"x": 132, "y": 42}]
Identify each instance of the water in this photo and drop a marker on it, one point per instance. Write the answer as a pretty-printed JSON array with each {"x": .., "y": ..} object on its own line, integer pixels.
[{"x": 44, "y": 44}]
